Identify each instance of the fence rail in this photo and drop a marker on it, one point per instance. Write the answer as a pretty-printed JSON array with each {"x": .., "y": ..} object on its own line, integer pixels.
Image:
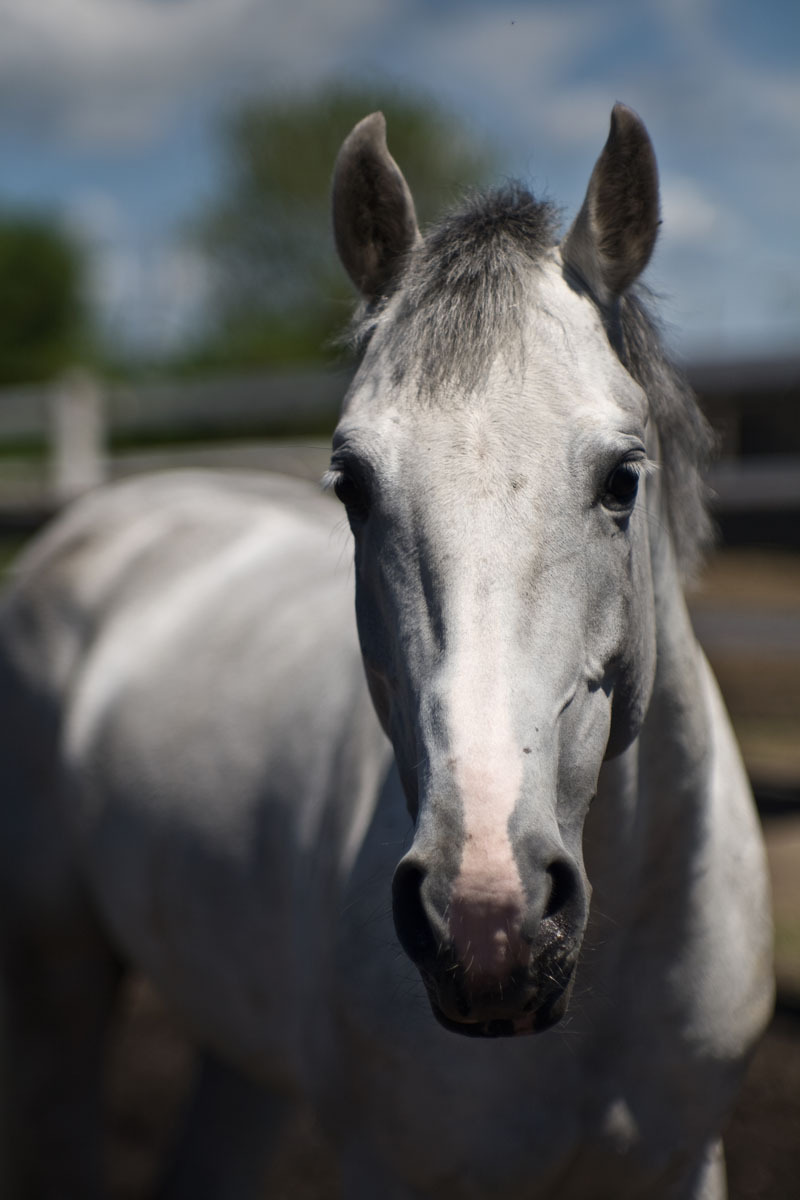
[
  {"x": 230, "y": 404},
  {"x": 59, "y": 440}
]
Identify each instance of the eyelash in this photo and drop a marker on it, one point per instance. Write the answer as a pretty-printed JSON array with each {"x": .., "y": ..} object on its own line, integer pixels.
[
  {"x": 638, "y": 469},
  {"x": 349, "y": 491}
]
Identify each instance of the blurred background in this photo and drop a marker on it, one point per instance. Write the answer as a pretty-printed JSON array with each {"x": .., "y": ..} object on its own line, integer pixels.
[{"x": 169, "y": 295}]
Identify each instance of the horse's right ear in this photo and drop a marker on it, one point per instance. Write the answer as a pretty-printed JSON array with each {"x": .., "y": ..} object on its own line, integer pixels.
[{"x": 374, "y": 221}]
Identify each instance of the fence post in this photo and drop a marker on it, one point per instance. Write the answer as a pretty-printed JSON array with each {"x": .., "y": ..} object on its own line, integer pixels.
[{"x": 77, "y": 436}]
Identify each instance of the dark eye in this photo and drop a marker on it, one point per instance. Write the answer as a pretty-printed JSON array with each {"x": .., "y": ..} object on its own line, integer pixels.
[
  {"x": 622, "y": 485},
  {"x": 352, "y": 495}
]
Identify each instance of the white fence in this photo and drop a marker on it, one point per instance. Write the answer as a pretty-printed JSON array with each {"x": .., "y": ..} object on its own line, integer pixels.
[
  {"x": 243, "y": 421},
  {"x": 56, "y": 441}
]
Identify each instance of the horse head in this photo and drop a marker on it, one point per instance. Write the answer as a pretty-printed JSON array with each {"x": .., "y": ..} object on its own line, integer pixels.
[{"x": 493, "y": 457}]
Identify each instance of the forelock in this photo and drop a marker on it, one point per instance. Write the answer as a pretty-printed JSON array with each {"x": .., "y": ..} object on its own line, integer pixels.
[{"x": 462, "y": 296}]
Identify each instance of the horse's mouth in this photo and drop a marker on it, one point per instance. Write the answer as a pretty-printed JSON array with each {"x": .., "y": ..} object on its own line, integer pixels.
[
  {"x": 540, "y": 1012},
  {"x": 535, "y": 1022}
]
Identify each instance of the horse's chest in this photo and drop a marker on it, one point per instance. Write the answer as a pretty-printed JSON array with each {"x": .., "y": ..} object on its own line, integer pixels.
[
  {"x": 512, "y": 1120},
  {"x": 471, "y": 1119},
  {"x": 586, "y": 1110}
]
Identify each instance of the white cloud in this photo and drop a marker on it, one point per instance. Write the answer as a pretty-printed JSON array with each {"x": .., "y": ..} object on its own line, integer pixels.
[
  {"x": 690, "y": 215},
  {"x": 739, "y": 90},
  {"x": 93, "y": 216},
  {"x": 515, "y": 61},
  {"x": 105, "y": 70}
]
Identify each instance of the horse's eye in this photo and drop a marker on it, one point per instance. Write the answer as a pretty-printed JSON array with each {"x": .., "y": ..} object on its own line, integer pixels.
[
  {"x": 352, "y": 496},
  {"x": 622, "y": 485}
]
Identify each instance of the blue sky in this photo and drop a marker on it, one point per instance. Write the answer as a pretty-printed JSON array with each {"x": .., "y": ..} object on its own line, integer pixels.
[{"x": 108, "y": 111}]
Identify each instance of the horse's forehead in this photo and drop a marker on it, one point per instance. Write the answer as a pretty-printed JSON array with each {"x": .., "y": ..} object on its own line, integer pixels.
[
  {"x": 567, "y": 364},
  {"x": 560, "y": 371},
  {"x": 564, "y": 333}
]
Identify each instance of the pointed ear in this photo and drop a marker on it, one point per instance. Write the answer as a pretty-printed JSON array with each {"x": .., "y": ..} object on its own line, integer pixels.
[
  {"x": 374, "y": 222},
  {"x": 613, "y": 235}
]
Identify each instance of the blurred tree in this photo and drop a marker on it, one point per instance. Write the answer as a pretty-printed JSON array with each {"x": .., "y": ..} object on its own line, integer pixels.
[
  {"x": 279, "y": 294},
  {"x": 42, "y": 313}
]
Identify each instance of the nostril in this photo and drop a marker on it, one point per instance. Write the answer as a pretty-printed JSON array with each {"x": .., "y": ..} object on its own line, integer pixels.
[
  {"x": 564, "y": 888},
  {"x": 410, "y": 920}
]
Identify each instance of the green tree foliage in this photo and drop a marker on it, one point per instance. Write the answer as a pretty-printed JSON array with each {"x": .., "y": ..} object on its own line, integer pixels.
[
  {"x": 42, "y": 316},
  {"x": 280, "y": 295}
]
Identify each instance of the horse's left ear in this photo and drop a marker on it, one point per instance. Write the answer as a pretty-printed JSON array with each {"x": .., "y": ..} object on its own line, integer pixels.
[
  {"x": 374, "y": 221},
  {"x": 613, "y": 235}
]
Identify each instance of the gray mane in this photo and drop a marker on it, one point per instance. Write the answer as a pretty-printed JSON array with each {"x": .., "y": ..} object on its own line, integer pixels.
[
  {"x": 463, "y": 289},
  {"x": 462, "y": 298}
]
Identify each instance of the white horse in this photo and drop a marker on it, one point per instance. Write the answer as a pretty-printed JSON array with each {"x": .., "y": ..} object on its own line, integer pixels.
[{"x": 193, "y": 779}]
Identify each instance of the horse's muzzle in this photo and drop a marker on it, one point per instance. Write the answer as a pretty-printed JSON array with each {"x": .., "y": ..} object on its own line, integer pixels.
[{"x": 513, "y": 974}]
